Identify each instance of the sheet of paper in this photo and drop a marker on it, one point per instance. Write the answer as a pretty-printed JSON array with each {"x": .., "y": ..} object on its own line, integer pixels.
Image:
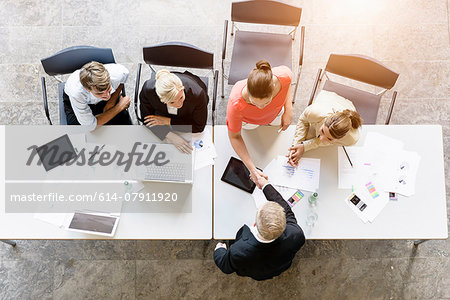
[
  {"x": 402, "y": 177},
  {"x": 347, "y": 173},
  {"x": 57, "y": 219},
  {"x": 205, "y": 151},
  {"x": 370, "y": 191},
  {"x": 305, "y": 176},
  {"x": 379, "y": 141}
]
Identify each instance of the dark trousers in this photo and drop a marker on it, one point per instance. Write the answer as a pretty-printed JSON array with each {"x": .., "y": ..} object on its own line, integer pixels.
[{"x": 122, "y": 118}]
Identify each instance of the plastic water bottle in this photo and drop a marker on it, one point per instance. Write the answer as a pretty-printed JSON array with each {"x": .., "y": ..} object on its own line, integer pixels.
[
  {"x": 312, "y": 199},
  {"x": 312, "y": 216}
]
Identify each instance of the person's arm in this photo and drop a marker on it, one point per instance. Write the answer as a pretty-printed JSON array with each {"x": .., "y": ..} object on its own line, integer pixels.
[
  {"x": 273, "y": 195},
  {"x": 147, "y": 98},
  {"x": 237, "y": 142},
  {"x": 105, "y": 117},
  {"x": 301, "y": 130},
  {"x": 222, "y": 259},
  {"x": 113, "y": 100}
]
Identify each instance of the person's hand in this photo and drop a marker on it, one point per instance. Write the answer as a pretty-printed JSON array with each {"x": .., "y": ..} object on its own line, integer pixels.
[
  {"x": 181, "y": 144},
  {"x": 124, "y": 102},
  {"x": 153, "y": 120},
  {"x": 261, "y": 181},
  {"x": 220, "y": 245},
  {"x": 286, "y": 120},
  {"x": 259, "y": 178},
  {"x": 295, "y": 153}
]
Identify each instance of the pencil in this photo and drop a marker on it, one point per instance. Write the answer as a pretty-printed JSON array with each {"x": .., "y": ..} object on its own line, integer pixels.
[{"x": 348, "y": 157}]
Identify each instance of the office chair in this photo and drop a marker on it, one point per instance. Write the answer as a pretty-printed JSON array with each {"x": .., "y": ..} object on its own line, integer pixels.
[
  {"x": 250, "y": 47},
  {"x": 363, "y": 69},
  {"x": 177, "y": 54},
  {"x": 67, "y": 61}
]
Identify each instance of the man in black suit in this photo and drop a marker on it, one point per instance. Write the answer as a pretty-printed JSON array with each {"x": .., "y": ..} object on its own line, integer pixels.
[{"x": 268, "y": 248}]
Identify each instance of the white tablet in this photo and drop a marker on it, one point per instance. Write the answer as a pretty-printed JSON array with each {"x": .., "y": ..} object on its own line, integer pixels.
[{"x": 93, "y": 223}]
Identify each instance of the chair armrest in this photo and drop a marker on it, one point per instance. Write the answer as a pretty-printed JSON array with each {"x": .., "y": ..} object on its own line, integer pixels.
[
  {"x": 136, "y": 92},
  {"x": 391, "y": 108},
  {"x": 44, "y": 95},
  {"x": 224, "y": 43},
  {"x": 316, "y": 84},
  {"x": 302, "y": 44}
]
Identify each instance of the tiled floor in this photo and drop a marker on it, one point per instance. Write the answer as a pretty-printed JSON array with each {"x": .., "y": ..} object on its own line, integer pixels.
[{"x": 409, "y": 36}]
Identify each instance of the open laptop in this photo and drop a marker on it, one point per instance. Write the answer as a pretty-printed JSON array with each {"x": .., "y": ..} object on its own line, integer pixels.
[{"x": 179, "y": 169}]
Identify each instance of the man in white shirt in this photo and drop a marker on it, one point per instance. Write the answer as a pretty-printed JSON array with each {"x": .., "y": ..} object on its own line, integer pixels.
[{"x": 92, "y": 96}]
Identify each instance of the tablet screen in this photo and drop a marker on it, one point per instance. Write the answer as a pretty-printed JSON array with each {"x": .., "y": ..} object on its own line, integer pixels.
[
  {"x": 94, "y": 223},
  {"x": 237, "y": 174}
]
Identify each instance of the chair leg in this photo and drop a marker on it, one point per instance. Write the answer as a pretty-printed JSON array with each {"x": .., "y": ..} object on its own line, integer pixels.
[
  {"x": 418, "y": 242},
  {"x": 223, "y": 81},
  {"x": 391, "y": 108},
  {"x": 9, "y": 242},
  {"x": 296, "y": 85}
]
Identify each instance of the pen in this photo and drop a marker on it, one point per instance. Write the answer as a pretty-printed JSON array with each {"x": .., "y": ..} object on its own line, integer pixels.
[
  {"x": 348, "y": 157},
  {"x": 279, "y": 130},
  {"x": 96, "y": 152}
]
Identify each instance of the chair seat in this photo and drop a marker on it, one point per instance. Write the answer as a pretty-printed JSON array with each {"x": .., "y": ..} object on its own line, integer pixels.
[
  {"x": 250, "y": 47},
  {"x": 366, "y": 103}
]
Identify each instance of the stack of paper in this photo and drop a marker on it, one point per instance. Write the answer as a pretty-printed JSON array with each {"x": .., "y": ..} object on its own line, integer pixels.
[{"x": 379, "y": 167}]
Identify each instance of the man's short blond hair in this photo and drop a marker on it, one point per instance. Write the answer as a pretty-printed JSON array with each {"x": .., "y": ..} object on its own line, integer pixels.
[
  {"x": 271, "y": 220},
  {"x": 167, "y": 86},
  {"x": 95, "y": 75}
]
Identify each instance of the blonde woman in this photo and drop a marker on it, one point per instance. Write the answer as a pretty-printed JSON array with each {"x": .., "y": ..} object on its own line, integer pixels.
[
  {"x": 174, "y": 99},
  {"x": 330, "y": 120}
]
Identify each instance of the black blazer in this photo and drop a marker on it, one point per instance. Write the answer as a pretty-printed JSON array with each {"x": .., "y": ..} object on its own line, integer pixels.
[
  {"x": 260, "y": 261},
  {"x": 193, "y": 112}
]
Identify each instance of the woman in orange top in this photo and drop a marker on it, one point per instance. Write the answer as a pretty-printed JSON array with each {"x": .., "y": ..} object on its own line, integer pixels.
[{"x": 264, "y": 98}]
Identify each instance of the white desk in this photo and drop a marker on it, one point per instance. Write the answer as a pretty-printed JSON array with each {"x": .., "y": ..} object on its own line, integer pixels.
[
  {"x": 421, "y": 216},
  {"x": 146, "y": 225}
]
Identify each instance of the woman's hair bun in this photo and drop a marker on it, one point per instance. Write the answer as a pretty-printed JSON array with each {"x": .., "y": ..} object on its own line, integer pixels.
[
  {"x": 160, "y": 73},
  {"x": 263, "y": 65}
]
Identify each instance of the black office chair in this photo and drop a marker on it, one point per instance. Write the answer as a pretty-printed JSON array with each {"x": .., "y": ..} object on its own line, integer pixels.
[
  {"x": 67, "y": 61},
  {"x": 177, "y": 54},
  {"x": 250, "y": 47},
  {"x": 364, "y": 69}
]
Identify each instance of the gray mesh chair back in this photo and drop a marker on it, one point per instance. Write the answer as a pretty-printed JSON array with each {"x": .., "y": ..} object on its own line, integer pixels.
[
  {"x": 177, "y": 54},
  {"x": 67, "y": 61},
  {"x": 250, "y": 46},
  {"x": 364, "y": 69}
]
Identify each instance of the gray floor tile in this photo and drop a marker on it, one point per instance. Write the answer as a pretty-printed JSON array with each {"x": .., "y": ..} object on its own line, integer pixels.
[
  {"x": 18, "y": 42},
  {"x": 172, "y": 279},
  {"x": 169, "y": 249},
  {"x": 18, "y": 113},
  {"x": 100, "y": 13},
  {"x": 94, "y": 249},
  {"x": 26, "y": 279},
  {"x": 30, "y": 13},
  {"x": 94, "y": 279},
  {"x": 428, "y": 42}
]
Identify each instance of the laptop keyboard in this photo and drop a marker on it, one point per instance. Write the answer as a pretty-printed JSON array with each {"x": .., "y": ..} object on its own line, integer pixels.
[{"x": 169, "y": 172}]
